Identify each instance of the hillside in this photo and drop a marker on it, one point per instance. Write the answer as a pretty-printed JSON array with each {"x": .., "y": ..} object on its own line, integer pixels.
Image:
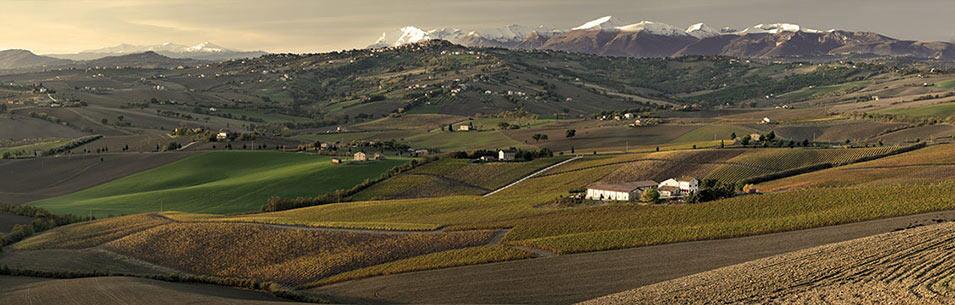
[
  {"x": 218, "y": 182},
  {"x": 19, "y": 59}
]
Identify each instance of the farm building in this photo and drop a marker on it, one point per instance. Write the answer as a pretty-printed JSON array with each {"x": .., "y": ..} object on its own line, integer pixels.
[
  {"x": 756, "y": 137},
  {"x": 336, "y": 161},
  {"x": 360, "y": 156},
  {"x": 678, "y": 187},
  {"x": 464, "y": 128},
  {"x": 618, "y": 192},
  {"x": 377, "y": 156},
  {"x": 421, "y": 153},
  {"x": 222, "y": 136},
  {"x": 506, "y": 155}
]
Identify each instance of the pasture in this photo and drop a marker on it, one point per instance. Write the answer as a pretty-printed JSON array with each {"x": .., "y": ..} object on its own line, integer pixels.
[{"x": 221, "y": 182}]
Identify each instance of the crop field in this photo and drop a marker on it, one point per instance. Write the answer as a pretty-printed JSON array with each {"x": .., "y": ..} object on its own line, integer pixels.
[
  {"x": 622, "y": 226},
  {"x": 423, "y": 122},
  {"x": 123, "y": 290},
  {"x": 88, "y": 260},
  {"x": 948, "y": 84},
  {"x": 288, "y": 255},
  {"x": 446, "y": 259},
  {"x": 27, "y": 180},
  {"x": 449, "y": 176},
  {"x": 21, "y": 127},
  {"x": 940, "y": 111},
  {"x": 664, "y": 165},
  {"x": 714, "y": 133},
  {"x": 91, "y": 234},
  {"x": 837, "y": 131},
  {"x": 926, "y": 133},
  {"x": 219, "y": 182},
  {"x": 906, "y": 267},
  {"x": 474, "y": 140},
  {"x": 927, "y": 165},
  {"x": 603, "y": 138},
  {"x": 768, "y": 161}
]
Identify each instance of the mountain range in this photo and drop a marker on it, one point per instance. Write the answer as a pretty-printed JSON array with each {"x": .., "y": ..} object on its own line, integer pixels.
[
  {"x": 23, "y": 59},
  {"x": 202, "y": 51},
  {"x": 609, "y": 36}
]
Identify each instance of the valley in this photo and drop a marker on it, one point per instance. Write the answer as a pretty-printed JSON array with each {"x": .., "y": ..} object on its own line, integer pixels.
[{"x": 610, "y": 163}]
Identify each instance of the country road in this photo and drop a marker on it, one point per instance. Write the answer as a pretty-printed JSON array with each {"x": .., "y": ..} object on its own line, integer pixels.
[{"x": 566, "y": 279}]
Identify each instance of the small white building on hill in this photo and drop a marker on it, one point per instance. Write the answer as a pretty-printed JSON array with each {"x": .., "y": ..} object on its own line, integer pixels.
[{"x": 618, "y": 192}]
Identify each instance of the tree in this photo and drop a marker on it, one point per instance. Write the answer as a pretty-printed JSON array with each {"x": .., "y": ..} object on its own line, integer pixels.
[
  {"x": 650, "y": 195},
  {"x": 771, "y": 136},
  {"x": 450, "y": 127},
  {"x": 722, "y": 144},
  {"x": 571, "y": 133},
  {"x": 539, "y": 136},
  {"x": 104, "y": 121},
  {"x": 745, "y": 140},
  {"x": 3, "y": 108},
  {"x": 733, "y": 136}
]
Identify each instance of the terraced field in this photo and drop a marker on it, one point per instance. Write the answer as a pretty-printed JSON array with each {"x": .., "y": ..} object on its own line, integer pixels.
[
  {"x": 219, "y": 182},
  {"x": 906, "y": 267}
]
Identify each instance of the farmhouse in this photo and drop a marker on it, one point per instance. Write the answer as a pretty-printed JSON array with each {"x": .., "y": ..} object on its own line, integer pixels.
[
  {"x": 336, "y": 161},
  {"x": 506, "y": 155},
  {"x": 756, "y": 137},
  {"x": 222, "y": 136},
  {"x": 360, "y": 156},
  {"x": 618, "y": 192},
  {"x": 377, "y": 156},
  {"x": 678, "y": 187},
  {"x": 464, "y": 128}
]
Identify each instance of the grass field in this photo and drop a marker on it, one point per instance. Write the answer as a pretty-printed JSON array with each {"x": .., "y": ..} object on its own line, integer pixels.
[
  {"x": 948, "y": 84},
  {"x": 218, "y": 182}
]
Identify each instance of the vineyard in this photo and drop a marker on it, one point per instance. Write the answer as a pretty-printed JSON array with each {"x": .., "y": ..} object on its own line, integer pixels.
[
  {"x": 91, "y": 234},
  {"x": 771, "y": 160},
  {"x": 928, "y": 165},
  {"x": 450, "y": 176}
]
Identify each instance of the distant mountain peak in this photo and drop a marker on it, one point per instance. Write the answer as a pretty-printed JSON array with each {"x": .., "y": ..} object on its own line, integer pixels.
[
  {"x": 777, "y": 28},
  {"x": 652, "y": 28},
  {"x": 701, "y": 30},
  {"x": 602, "y": 23}
]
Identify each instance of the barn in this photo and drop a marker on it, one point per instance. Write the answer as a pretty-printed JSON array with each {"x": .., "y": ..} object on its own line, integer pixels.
[{"x": 618, "y": 191}]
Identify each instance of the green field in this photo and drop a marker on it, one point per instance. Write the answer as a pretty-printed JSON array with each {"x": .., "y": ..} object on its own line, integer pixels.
[
  {"x": 219, "y": 182},
  {"x": 949, "y": 84},
  {"x": 714, "y": 133}
]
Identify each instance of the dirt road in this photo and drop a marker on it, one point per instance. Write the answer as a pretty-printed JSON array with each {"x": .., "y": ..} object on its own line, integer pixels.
[{"x": 568, "y": 279}]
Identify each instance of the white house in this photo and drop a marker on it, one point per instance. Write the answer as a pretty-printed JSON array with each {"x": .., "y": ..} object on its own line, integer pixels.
[
  {"x": 618, "y": 192},
  {"x": 464, "y": 128},
  {"x": 222, "y": 136},
  {"x": 678, "y": 187},
  {"x": 506, "y": 155},
  {"x": 360, "y": 156}
]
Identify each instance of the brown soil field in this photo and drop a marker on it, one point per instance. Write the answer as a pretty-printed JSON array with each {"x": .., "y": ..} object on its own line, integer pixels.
[
  {"x": 27, "y": 180},
  {"x": 85, "y": 260},
  {"x": 566, "y": 279},
  {"x": 21, "y": 127},
  {"x": 913, "y": 266},
  {"x": 122, "y": 290},
  {"x": 664, "y": 165},
  {"x": 7, "y": 221}
]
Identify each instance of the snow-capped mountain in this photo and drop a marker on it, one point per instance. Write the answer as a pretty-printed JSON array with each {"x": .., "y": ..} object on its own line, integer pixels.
[
  {"x": 609, "y": 35},
  {"x": 202, "y": 51}
]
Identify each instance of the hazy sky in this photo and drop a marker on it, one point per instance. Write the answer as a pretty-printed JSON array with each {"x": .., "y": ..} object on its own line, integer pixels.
[{"x": 57, "y": 26}]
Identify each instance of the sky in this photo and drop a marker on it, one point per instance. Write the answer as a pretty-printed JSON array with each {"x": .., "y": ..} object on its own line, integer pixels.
[{"x": 67, "y": 26}]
